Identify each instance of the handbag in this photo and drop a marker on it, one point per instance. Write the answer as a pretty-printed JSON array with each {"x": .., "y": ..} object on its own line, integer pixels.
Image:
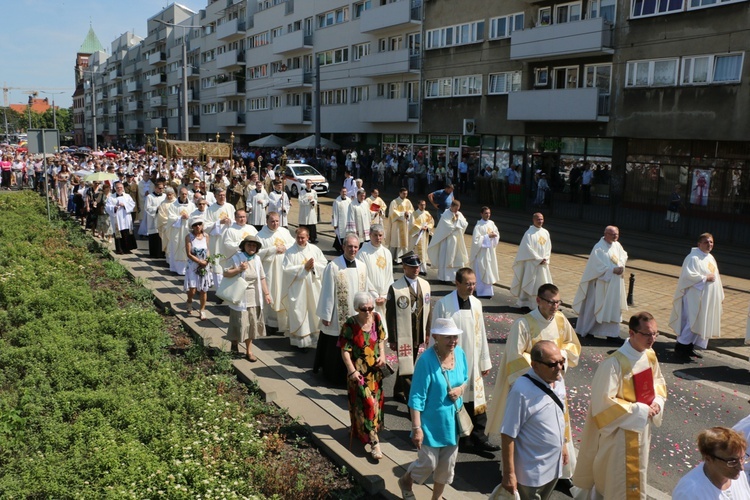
[
  {"x": 232, "y": 289},
  {"x": 463, "y": 420}
]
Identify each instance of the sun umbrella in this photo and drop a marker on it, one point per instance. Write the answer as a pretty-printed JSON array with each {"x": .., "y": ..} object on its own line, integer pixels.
[
  {"x": 97, "y": 153},
  {"x": 269, "y": 141},
  {"x": 101, "y": 176},
  {"x": 309, "y": 143},
  {"x": 141, "y": 151},
  {"x": 110, "y": 154}
]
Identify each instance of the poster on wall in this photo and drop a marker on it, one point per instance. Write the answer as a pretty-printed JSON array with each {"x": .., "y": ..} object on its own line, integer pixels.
[{"x": 700, "y": 187}]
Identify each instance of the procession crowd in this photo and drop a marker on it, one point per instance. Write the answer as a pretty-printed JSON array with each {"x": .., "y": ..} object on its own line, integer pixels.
[{"x": 223, "y": 225}]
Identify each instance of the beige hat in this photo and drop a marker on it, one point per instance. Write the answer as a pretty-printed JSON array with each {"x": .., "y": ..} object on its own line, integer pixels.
[
  {"x": 253, "y": 239},
  {"x": 445, "y": 326}
]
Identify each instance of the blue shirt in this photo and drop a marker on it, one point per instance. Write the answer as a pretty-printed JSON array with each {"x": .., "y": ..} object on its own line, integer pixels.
[
  {"x": 429, "y": 395},
  {"x": 442, "y": 199}
]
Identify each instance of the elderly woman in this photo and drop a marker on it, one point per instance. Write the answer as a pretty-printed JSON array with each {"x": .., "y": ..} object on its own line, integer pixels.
[
  {"x": 103, "y": 224},
  {"x": 720, "y": 474},
  {"x": 432, "y": 403},
  {"x": 198, "y": 277},
  {"x": 246, "y": 318},
  {"x": 362, "y": 344}
]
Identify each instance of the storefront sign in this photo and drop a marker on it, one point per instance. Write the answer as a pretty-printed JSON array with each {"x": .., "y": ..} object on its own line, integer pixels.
[
  {"x": 420, "y": 139},
  {"x": 389, "y": 138},
  {"x": 404, "y": 138},
  {"x": 552, "y": 145},
  {"x": 438, "y": 139}
]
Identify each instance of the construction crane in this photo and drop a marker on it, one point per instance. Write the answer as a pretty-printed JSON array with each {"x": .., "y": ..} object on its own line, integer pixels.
[{"x": 33, "y": 92}]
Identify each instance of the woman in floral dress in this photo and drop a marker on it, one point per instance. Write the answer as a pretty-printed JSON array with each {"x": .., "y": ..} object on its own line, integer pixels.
[
  {"x": 198, "y": 278},
  {"x": 362, "y": 343}
]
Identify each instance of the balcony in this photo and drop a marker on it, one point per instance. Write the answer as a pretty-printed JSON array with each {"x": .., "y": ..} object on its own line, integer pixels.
[
  {"x": 100, "y": 111},
  {"x": 393, "y": 16},
  {"x": 157, "y": 79},
  {"x": 135, "y": 105},
  {"x": 293, "y": 78},
  {"x": 296, "y": 41},
  {"x": 157, "y": 58},
  {"x": 194, "y": 121},
  {"x": 562, "y": 105},
  {"x": 230, "y": 89},
  {"x": 193, "y": 95},
  {"x": 158, "y": 101},
  {"x": 230, "y": 119},
  {"x": 114, "y": 92},
  {"x": 384, "y": 110},
  {"x": 134, "y": 125},
  {"x": 589, "y": 37},
  {"x": 385, "y": 63},
  {"x": 191, "y": 72},
  {"x": 133, "y": 87},
  {"x": 230, "y": 30},
  {"x": 232, "y": 59},
  {"x": 114, "y": 109},
  {"x": 155, "y": 123},
  {"x": 115, "y": 74},
  {"x": 292, "y": 115}
]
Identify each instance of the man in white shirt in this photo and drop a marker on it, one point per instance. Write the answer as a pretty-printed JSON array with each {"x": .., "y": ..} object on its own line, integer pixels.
[
  {"x": 256, "y": 204},
  {"x": 278, "y": 201},
  {"x": 339, "y": 218},
  {"x": 308, "y": 210},
  {"x": 358, "y": 220}
]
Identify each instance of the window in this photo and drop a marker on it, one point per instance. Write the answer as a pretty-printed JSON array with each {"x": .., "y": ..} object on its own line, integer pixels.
[
  {"x": 295, "y": 26},
  {"x": 276, "y": 101},
  {"x": 256, "y": 72},
  {"x": 360, "y": 50},
  {"x": 332, "y": 17},
  {"x": 699, "y": 4},
  {"x": 643, "y": 8},
  {"x": 334, "y": 56},
  {"x": 567, "y": 13},
  {"x": 437, "y": 88},
  {"x": 208, "y": 109},
  {"x": 565, "y": 77},
  {"x": 502, "y": 27},
  {"x": 257, "y": 104},
  {"x": 602, "y": 8},
  {"x": 450, "y": 36},
  {"x": 359, "y": 7},
  {"x": 541, "y": 77},
  {"x": 545, "y": 16},
  {"x": 467, "y": 85},
  {"x": 360, "y": 93},
  {"x": 599, "y": 76},
  {"x": 335, "y": 96},
  {"x": 504, "y": 83},
  {"x": 711, "y": 69},
  {"x": 207, "y": 83},
  {"x": 277, "y": 32},
  {"x": 259, "y": 40},
  {"x": 656, "y": 73},
  {"x": 394, "y": 91}
]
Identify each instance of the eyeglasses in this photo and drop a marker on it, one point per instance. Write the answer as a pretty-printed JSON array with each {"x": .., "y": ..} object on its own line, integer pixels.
[
  {"x": 553, "y": 364},
  {"x": 734, "y": 462},
  {"x": 647, "y": 334},
  {"x": 551, "y": 302},
  {"x": 469, "y": 285},
  {"x": 366, "y": 309}
]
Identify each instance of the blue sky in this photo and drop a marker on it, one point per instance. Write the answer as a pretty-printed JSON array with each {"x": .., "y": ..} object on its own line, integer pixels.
[{"x": 39, "y": 39}]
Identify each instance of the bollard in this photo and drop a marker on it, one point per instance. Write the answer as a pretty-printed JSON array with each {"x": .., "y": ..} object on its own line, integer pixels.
[{"x": 631, "y": 285}]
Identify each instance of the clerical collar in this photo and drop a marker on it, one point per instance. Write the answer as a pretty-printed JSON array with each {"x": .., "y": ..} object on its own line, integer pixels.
[
  {"x": 277, "y": 192},
  {"x": 182, "y": 202},
  {"x": 119, "y": 195},
  {"x": 464, "y": 303},
  {"x": 350, "y": 263}
]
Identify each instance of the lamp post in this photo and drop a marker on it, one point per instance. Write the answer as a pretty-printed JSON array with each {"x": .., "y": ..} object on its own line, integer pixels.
[
  {"x": 185, "y": 121},
  {"x": 54, "y": 110}
]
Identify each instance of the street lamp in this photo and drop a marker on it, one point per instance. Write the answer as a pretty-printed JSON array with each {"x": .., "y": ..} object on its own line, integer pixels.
[
  {"x": 185, "y": 124},
  {"x": 54, "y": 110}
]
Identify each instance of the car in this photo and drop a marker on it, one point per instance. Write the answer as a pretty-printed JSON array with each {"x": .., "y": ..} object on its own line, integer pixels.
[{"x": 298, "y": 173}]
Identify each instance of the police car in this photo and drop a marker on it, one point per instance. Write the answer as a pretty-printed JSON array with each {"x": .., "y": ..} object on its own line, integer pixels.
[{"x": 297, "y": 174}]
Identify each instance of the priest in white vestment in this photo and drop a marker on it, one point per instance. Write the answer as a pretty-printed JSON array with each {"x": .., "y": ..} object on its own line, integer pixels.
[
  {"x": 421, "y": 228},
  {"x": 358, "y": 220},
  {"x": 162, "y": 219},
  {"x": 119, "y": 206},
  {"x": 447, "y": 250},
  {"x": 399, "y": 215},
  {"x": 482, "y": 257},
  {"x": 628, "y": 393},
  {"x": 696, "y": 306},
  {"x": 303, "y": 267},
  {"x": 276, "y": 241},
  {"x": 466, "y": 311},
  {"x": 153, "y": 201},
  {"x": 278, "y": 201},
  {"x": 545, "y": 322},
  {"x": 219, "y": 217},
  {"x": 308, "y": 210},
  {"x": 531, "y": 267},
  {"x": 178, "y": 223},
  {"x": 379, "y": 262},
  {"x": 343, "y": 277},
  {"x": 256, "y": 204},
  {"x": 601, "y": 298},
  {"x": 377, "y": 207},
  {"x": 234, "y": 234},
  {"x": 145, "y": 187},
  {"x": 339, "y": 218}
]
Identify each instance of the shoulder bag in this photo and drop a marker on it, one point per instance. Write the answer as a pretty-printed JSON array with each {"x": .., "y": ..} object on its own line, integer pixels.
[
  {"x": 232, "y": 289},
  {"x": 463, "y": 420}
]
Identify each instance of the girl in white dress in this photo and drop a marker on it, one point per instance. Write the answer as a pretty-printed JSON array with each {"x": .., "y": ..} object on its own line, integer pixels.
[{"x": 198, "y": 277}]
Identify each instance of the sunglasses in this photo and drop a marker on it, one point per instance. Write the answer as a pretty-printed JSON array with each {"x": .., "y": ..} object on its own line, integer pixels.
[
  {"x": 366, "y": 309},
  {"x": 552, "y": 364}
]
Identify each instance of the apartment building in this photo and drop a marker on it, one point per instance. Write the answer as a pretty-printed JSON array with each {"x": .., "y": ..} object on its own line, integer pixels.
[
  {"x": 650, "y": 93},
  {"x": 251, "y": 69}
]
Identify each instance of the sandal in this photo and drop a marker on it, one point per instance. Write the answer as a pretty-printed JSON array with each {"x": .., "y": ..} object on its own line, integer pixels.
[
  {"x": 406, "y": 494},
  {"x": 251, "y": 357},
  {"x": 202, "y": 315},
  {"x": 189, "y": 308},
  {"x": 375, "y": 451}
]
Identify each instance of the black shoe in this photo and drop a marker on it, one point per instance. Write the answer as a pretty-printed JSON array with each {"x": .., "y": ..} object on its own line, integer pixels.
[
  {"x": 219, "y": 302},
  {"x": 563, "y": 486},
  {"x": 486, "y": 446},
  {"x": 400, "y": 397}
]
